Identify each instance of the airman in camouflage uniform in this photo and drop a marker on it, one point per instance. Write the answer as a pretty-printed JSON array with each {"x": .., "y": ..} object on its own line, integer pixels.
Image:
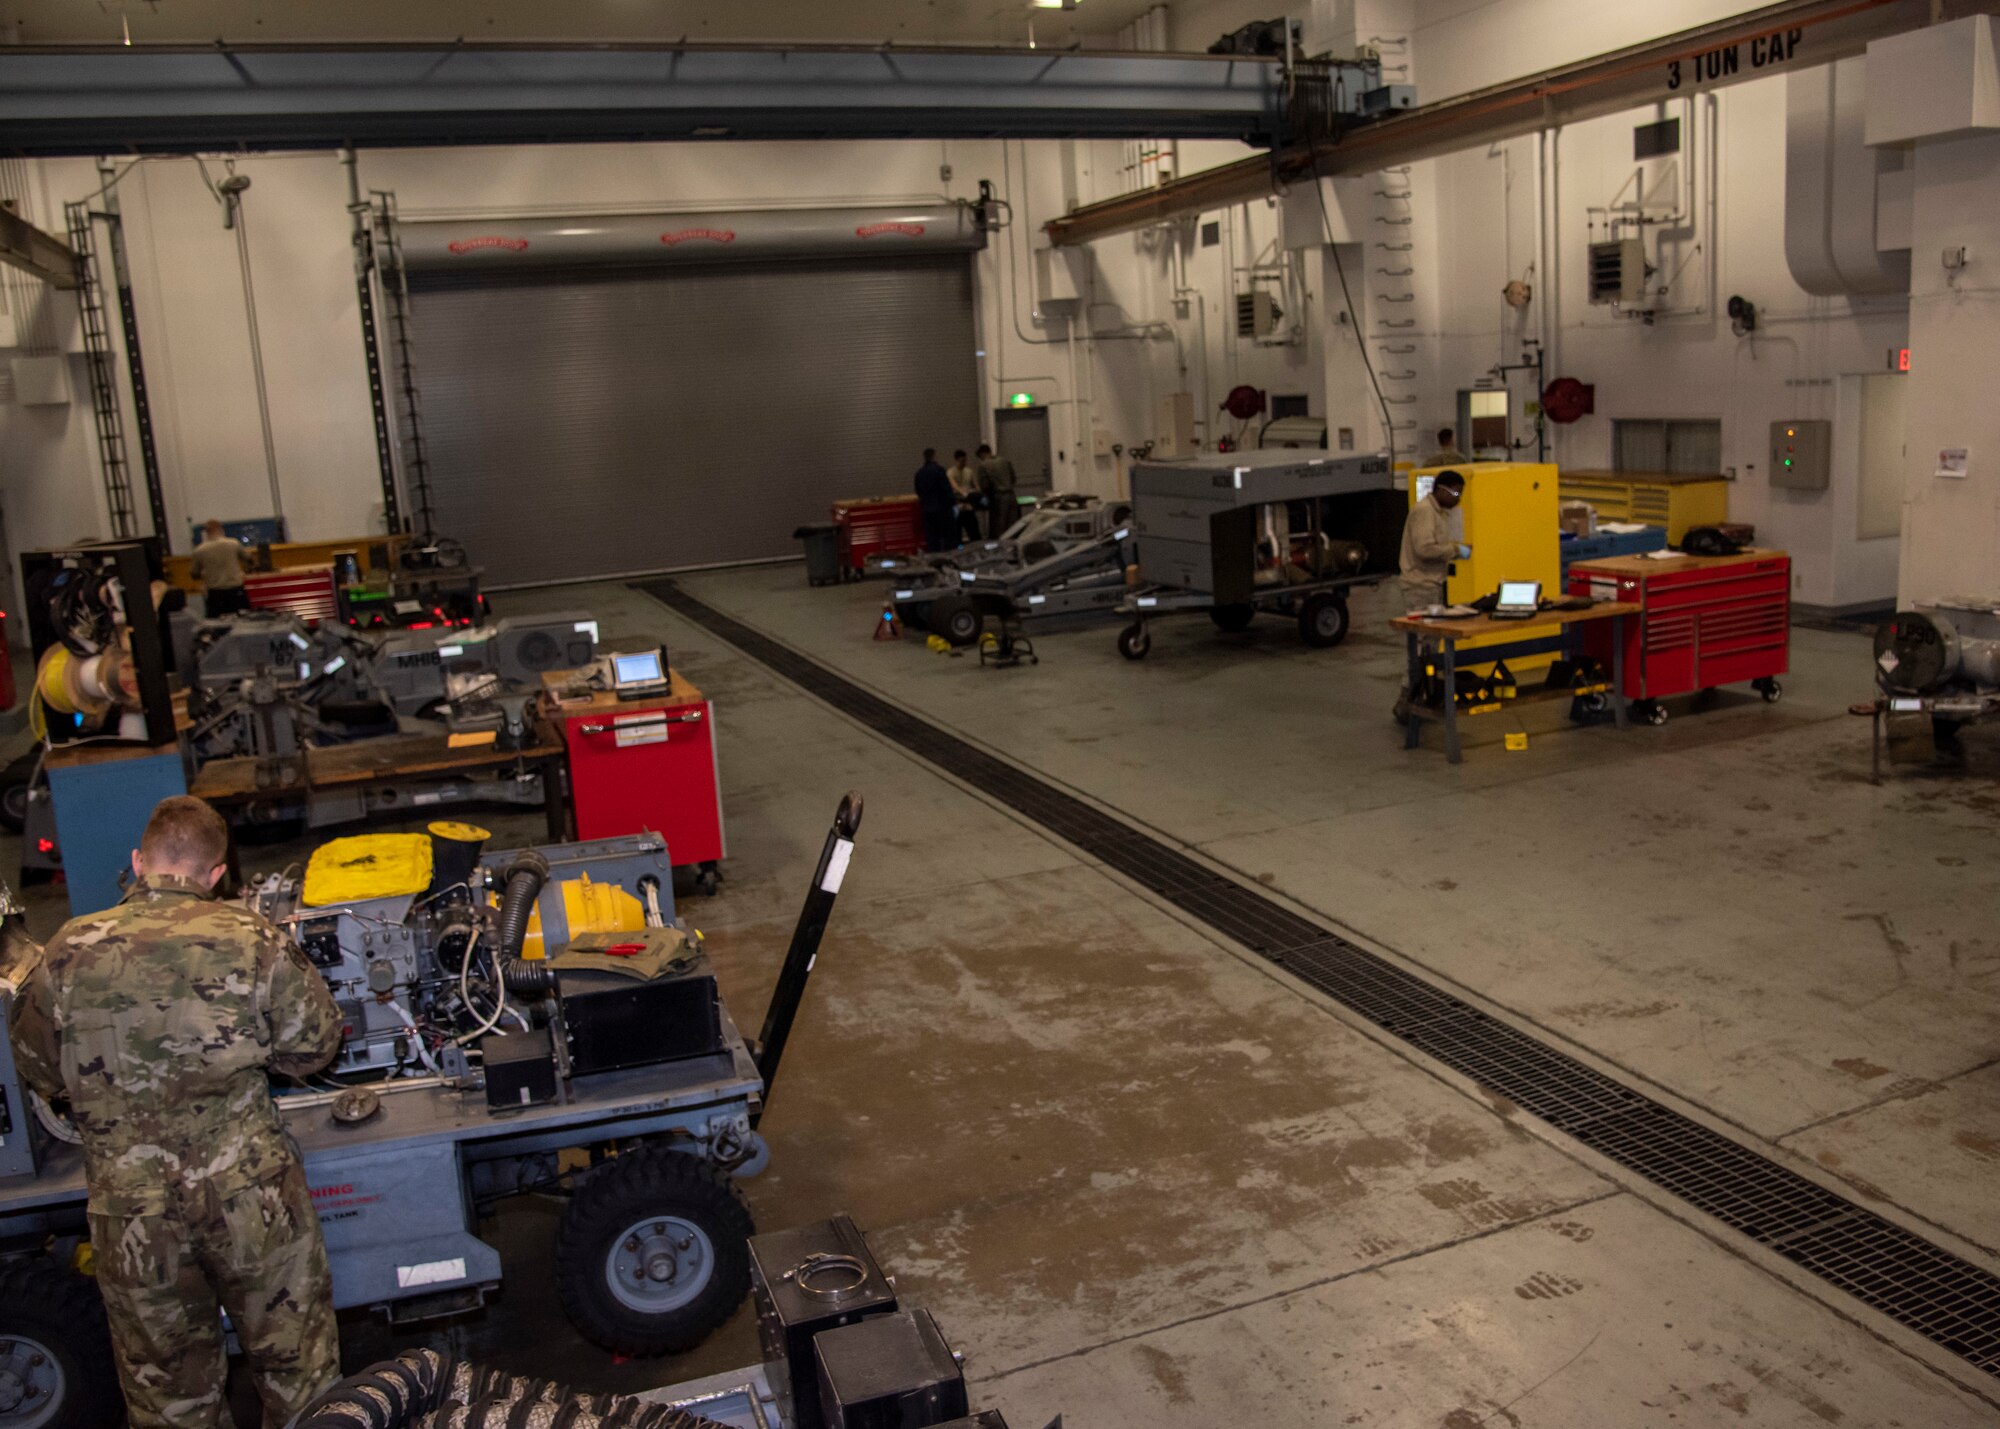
[{"x": 158, "y": 1020}]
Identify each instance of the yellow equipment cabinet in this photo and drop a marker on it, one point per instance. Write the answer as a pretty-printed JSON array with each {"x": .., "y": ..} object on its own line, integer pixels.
[
  {"x": 1512, "y": 526},
  {"x": 1675, "y": 500}
]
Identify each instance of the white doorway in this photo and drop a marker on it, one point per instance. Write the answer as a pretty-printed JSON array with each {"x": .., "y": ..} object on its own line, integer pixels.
[{"x": 1878, "y": 510}]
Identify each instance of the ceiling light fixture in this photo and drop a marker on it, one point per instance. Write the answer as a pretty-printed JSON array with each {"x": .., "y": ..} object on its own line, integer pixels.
[{"x": 1054, "y": 4}]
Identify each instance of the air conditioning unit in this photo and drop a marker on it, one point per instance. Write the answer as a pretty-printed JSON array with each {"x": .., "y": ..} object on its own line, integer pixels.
[
  {"x": 1257, "y": 314},
  {"x": 1618, "y": 272}
]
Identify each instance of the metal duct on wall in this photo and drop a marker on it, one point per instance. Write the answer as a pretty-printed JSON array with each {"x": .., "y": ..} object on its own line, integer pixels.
[{"x": 508, "y": 244}]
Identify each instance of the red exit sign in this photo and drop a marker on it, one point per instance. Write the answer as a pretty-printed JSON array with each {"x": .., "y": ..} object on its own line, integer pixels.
[{"x": 1899, "y": 359}]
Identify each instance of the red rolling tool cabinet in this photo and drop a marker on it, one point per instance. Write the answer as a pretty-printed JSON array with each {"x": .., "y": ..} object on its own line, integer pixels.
[
  {"x": 636, "y": 765},
  {"x": 878, "y": 526},
  {"x": 1705, "y": 621}
]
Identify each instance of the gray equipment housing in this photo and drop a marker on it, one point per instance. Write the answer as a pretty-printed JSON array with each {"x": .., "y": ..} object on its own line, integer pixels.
[
  {"x": 1940, "y": 645},
  {"x": 260, "y": 683},
  {"x": 1198, "y": 519},
  {"x": 416, "y": 670}
]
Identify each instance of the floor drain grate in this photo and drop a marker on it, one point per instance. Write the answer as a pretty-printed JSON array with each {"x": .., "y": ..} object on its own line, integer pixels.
[{"x": 1945, "y": 1298}]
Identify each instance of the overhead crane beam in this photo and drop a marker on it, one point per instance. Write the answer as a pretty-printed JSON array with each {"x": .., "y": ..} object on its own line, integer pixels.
[
  {"x": 1794, "y": 34},
  {"x": 26, "y": 247},
  {"x": 184, "y": 99}
]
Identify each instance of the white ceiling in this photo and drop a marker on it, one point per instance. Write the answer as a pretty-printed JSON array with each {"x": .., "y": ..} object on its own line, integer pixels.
[{"x": 912, "y": 22}]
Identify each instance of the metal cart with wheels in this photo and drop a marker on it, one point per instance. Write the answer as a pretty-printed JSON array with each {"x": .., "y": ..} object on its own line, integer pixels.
[
  {"x": 1239, "y": 534},
  {"x": 1320, "y": 607}
]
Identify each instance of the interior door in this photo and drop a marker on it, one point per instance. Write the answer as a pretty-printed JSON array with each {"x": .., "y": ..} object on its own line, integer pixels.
[{"x": 1021, "y": 434}]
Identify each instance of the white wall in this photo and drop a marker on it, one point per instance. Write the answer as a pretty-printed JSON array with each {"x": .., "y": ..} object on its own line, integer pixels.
[
  {"x": 191, "y": 313},
  {"x": 1159, "y": 315}
]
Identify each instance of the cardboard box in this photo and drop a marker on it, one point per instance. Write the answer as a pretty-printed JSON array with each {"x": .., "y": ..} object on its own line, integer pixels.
[{"x": 1577, "y": 518}]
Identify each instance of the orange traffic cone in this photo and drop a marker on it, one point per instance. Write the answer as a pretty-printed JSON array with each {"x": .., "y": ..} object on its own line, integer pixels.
[{"x": 889, "y": 627}]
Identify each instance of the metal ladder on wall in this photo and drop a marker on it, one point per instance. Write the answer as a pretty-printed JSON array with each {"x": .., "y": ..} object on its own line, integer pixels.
[
  {"x": 98, "y": 360},
  {"x": 1395, "y": 343},
  {"x": 415, "y": 455}
]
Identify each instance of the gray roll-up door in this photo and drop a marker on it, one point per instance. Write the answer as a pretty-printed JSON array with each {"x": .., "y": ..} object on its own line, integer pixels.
[{"x": 599, "y": 422}]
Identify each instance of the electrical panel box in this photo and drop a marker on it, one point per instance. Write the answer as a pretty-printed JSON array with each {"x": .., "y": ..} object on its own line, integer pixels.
[
  {"x": 1802, "y": 454},
  {"x": 1617, "y": 272}
]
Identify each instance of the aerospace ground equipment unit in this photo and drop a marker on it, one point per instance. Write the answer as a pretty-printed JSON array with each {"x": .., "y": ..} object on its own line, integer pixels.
[
  {"x": 267, "y": 684},
  {"x": 838, "y": 1352},
  {"x": 1941, "y": 659},
  {"x": 471, "y": 1063},
  {"x": 1238, "y": 534},
  {"x": 484, "y": 678},
  {"x": 1059, "y": 561}
]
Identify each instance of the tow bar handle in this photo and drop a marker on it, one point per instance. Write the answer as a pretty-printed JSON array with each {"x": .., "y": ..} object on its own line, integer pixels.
[{"x": 804, "y": 952}]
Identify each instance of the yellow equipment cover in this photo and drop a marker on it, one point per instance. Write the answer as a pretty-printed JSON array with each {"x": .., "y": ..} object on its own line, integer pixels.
[{"x": 367, "y": 866}]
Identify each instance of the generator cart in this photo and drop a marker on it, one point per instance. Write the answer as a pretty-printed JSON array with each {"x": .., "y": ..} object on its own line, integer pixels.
[
  {"x": 1239, "y": 534},
  {"x": 605, "y": 1069}
]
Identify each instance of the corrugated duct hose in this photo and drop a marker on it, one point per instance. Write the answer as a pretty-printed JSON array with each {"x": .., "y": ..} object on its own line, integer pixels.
[
  {"x": 524, "y": 880},
  {"x": 430, "y": 1389}
]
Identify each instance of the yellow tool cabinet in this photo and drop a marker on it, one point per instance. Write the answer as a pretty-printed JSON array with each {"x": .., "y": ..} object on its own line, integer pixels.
[
  {"x": 1675, "y": 500},
  {"x": 1510, "y": 513}
]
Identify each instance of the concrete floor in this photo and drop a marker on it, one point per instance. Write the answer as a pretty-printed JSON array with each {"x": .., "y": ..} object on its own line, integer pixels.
[{"x": 1143, "y": 1178}]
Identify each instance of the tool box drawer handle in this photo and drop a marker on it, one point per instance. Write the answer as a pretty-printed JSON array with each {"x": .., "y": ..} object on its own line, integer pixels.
[{"x": 692, "y": 717}]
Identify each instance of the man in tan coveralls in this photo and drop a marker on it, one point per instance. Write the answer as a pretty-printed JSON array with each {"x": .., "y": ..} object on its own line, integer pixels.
[
  {"x": 158, "y": 1020},
  {"x": 1432, "y": 537}
]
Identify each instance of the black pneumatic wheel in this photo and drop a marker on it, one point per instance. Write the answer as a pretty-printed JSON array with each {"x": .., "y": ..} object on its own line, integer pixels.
[
  {"x": 954, "y": 617},
  {"x": 1233, "y": 618},
  {"x": 1134, "y": 642},
  {"x": 55, "y": 1351},
  {"x": 1323, "y": 621},
  {"x": 653, "y": 1254}
]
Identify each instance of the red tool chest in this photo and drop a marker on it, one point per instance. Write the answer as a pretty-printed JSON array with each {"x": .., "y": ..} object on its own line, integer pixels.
[
  {"x": 878, "y": 526},
  {"x": 637, "y": 765},
  {"x": 1705, "y": 620}
]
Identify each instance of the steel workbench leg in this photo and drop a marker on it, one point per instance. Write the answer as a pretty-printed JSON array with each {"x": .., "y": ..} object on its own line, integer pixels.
[
  {"x": 1449, "y": 662},
  {"x": 1412, "y": 726},
  {"x": 1618, "y": 670}
]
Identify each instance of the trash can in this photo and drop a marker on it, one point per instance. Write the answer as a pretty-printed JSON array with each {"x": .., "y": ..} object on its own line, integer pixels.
[{"x": 822, "y": 543}]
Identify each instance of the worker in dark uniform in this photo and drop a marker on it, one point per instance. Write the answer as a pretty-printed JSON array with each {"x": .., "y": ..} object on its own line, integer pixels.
[
  {"x": 938, "y": 503},
  {"x": 1447, "y": 453},
  {"x": 158, "y": 1020}
]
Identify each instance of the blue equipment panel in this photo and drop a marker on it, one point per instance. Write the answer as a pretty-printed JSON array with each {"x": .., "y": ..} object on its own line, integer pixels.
[{"x": 101, "y": 810}]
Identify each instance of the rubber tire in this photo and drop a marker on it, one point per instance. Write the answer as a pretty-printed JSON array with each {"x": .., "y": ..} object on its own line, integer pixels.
[
  {"x": 1771, "y": 690},
  {"x": 41, "y": 1300},
  {"x": 1134, "y": 641},
  {"x": 954, "y": 618},
  {"x": 651, "y": 1181},
  {"x": 1232, "y": 619},
  {"x": 13, "y": 804},
  {"x": 1653, "y": 713},
  {"x": 1311, "y": 629}
]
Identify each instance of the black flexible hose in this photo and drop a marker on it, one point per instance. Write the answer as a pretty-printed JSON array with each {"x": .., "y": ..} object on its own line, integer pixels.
[{"x": 524, "y": 879}]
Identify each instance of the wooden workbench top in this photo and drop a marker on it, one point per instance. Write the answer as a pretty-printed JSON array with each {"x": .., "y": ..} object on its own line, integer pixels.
[
  {"x": 1645, "y": 478},
  {"x": 368, "y": 761},
  {"x": 1673, "y": 561},
  {"x": 606, "y": 702},
  {"x": 1471, "y": 626}
]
